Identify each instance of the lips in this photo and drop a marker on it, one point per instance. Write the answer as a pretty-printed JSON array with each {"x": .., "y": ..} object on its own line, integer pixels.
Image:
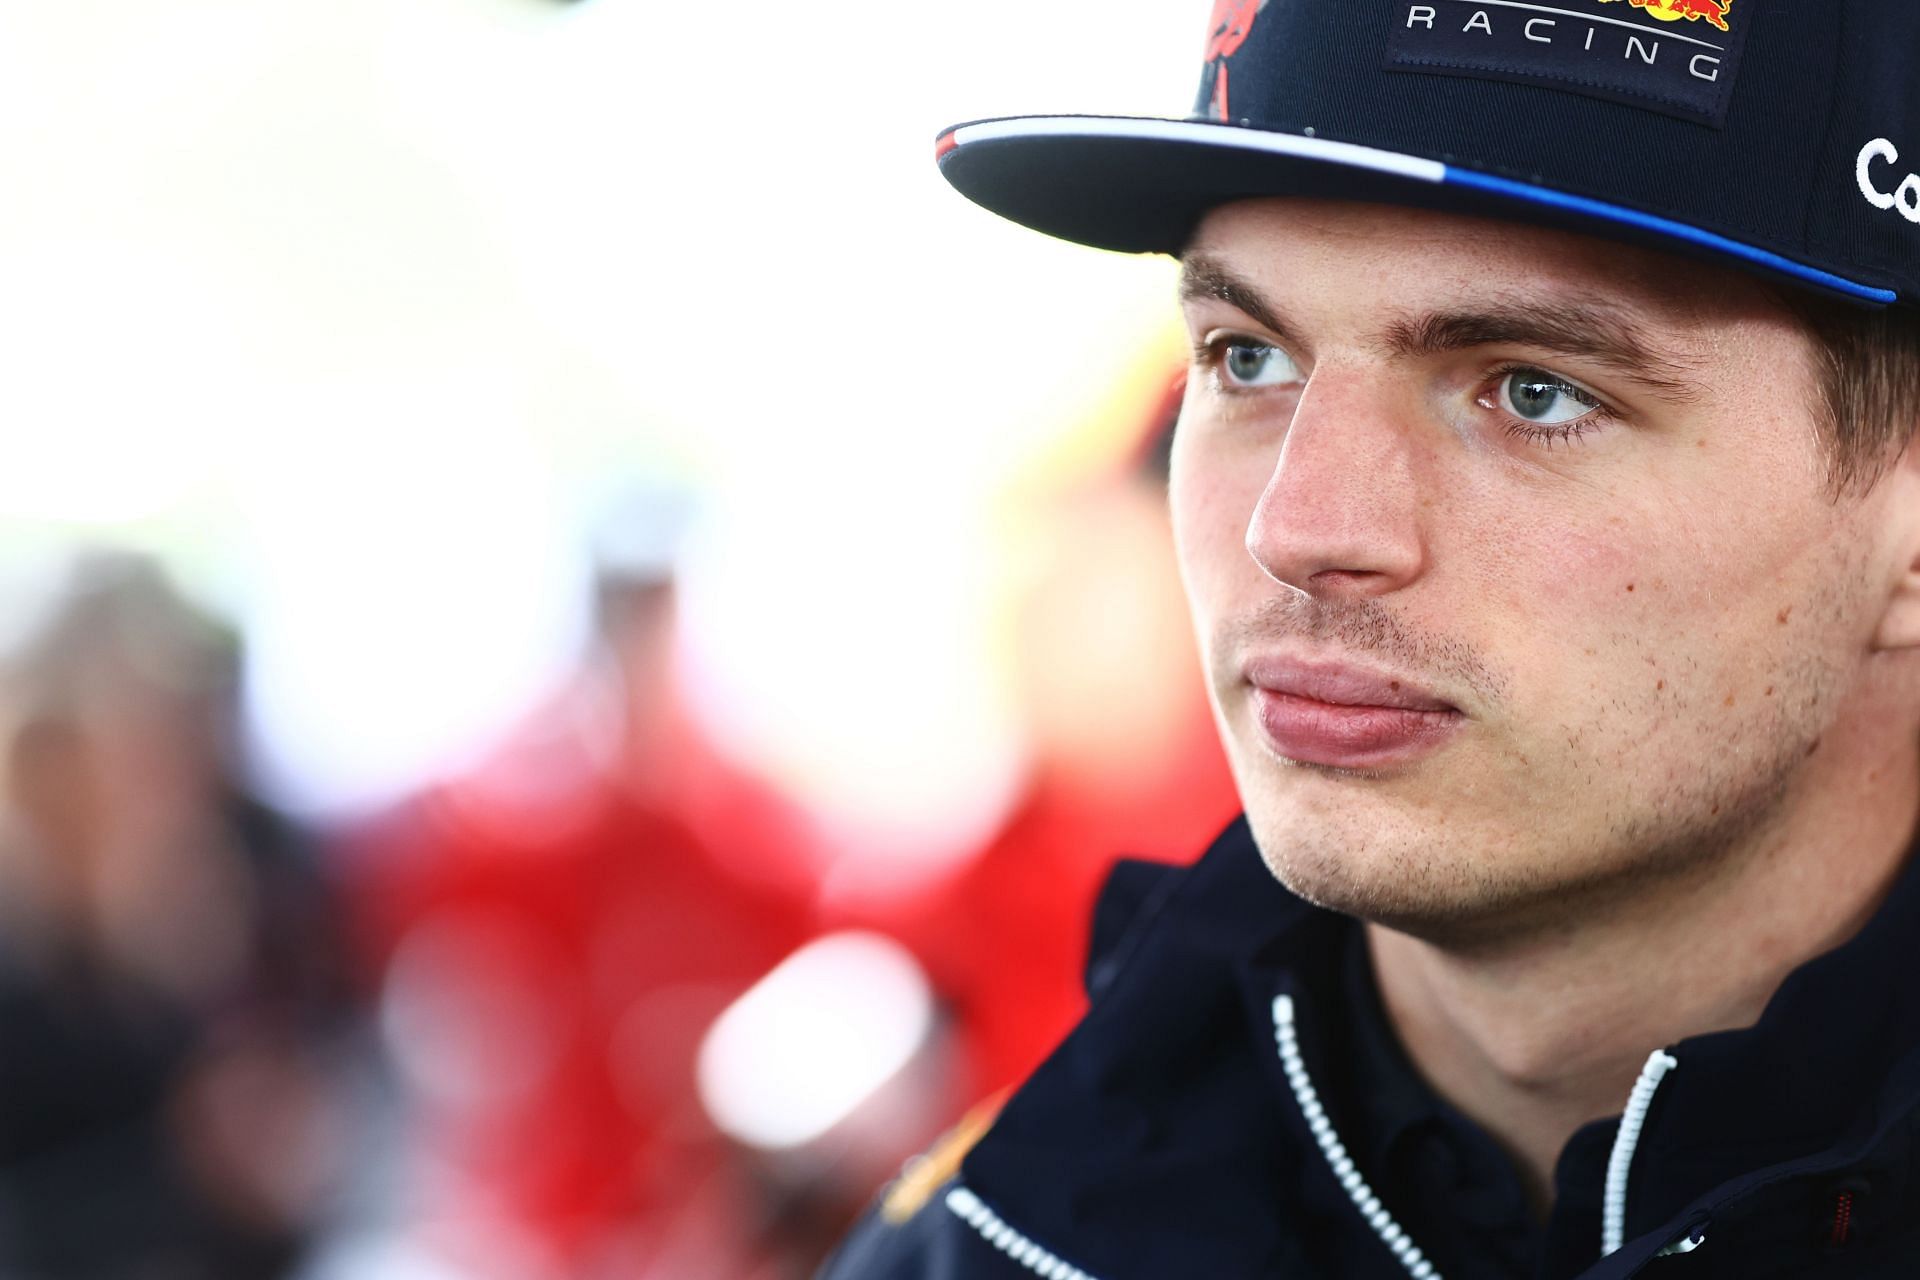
[{"x": 1346, "y": 716}]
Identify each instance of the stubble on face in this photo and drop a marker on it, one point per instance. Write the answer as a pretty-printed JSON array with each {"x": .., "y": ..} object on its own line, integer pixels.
[{"x": 1394, "y": 849}]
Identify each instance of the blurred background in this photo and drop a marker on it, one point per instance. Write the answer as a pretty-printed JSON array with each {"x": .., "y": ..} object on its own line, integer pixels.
[{"x": 577, "y": 632}]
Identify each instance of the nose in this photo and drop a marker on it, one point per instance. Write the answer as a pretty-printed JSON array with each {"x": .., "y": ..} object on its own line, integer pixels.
[{"x": 1341, "y": 513}]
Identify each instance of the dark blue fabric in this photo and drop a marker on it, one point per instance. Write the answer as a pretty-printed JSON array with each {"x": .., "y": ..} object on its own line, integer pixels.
[
  {"x": 1763, "y": 156},
  {"x": 1689, "y": 73}
]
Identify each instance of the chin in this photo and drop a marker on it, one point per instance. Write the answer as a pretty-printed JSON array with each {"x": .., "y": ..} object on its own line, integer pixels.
[
  {"x": 1367, "y": 857},
  {"x": 1373, "y": 875},
  {"x": 1466, "y": 887}
]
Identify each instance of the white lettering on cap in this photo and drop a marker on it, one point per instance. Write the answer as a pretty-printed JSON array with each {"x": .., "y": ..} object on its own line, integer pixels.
[
  {"x": 1907, "y": 196},
  {"x": 1904, "y": 197},
  {"x": 1878, "y": 149}
]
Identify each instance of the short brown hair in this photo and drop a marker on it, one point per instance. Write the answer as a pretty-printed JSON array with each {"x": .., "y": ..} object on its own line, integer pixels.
[{"x": 1869, "y": 383}]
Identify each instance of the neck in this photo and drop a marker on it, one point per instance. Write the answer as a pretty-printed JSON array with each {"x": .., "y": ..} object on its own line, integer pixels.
[{"x": 1533, "y": 1040}]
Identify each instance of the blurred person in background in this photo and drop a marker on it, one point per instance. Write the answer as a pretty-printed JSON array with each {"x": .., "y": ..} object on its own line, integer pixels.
[{"x": 172, "y": 997}]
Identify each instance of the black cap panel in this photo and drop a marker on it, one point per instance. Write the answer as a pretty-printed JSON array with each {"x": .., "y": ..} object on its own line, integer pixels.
[
  {"x": 1757, "y": 164},
  {"x": 1878, "y": 226}
]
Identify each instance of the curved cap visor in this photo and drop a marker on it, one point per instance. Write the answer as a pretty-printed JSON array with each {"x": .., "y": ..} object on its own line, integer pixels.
[{"x": 1141, "y": 185}]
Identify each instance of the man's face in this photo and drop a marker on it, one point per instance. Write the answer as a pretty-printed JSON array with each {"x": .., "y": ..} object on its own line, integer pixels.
[{"x": 1512, "y": 556}]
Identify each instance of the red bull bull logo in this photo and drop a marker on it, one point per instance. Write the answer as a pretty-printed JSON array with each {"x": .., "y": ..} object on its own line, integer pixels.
[
  {"x": 1712, "y": 11},
  {"x": 1226, "y": 32},
  {"x": 1232, "y": 20}
]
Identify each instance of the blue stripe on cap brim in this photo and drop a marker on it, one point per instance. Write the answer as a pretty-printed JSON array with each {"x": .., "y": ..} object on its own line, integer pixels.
[
  {"x": 1374, "y": 160},
  {"x": 1668, "y": 227}
]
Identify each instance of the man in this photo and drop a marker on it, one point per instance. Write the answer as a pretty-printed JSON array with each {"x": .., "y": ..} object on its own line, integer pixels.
[{"x": 1547, "y": 505}]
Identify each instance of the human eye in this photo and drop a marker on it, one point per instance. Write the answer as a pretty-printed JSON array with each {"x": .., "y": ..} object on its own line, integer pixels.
[
  {"x": 1540, "y": 405},
  {"x": 1243, "y": 364}
]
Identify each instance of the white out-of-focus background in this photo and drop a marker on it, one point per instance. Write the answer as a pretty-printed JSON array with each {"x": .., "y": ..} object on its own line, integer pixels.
[{"x": 548, "y": 562}]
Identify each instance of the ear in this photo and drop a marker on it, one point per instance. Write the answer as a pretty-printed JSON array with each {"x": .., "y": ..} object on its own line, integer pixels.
[{"x": 1900, "y": 623}]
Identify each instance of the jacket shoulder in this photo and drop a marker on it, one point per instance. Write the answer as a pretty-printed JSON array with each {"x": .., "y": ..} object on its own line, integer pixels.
[
  {"x": 1132, "y": 895},
  {"x": 909, "y": 1233}
]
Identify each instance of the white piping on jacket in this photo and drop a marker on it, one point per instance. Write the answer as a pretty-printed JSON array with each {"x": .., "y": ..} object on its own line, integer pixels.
[
  {"x": 973, "y": 1211},
  {"x": 1613, "y": 1212},
  {"x": 1035, "y": 1257},
  {"x": 1358, "y": 1191}
]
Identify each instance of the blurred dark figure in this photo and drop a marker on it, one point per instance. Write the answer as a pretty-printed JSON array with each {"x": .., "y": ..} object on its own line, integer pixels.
[{"x": 169, "y": 997}]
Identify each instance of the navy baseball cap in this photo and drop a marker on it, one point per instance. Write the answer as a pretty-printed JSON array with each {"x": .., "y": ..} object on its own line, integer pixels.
[{"x": 1779, "y": 136}]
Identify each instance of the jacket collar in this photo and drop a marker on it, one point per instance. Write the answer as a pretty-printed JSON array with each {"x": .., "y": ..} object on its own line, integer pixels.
[{"x": 1151, "y": 1141}]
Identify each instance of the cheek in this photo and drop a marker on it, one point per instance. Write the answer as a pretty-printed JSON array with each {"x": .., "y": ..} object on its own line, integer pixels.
[
  {"x": 1212, "y": 499},
  {"x": 1637, "y": 626},
  {"x": 1580, "y": 574}
]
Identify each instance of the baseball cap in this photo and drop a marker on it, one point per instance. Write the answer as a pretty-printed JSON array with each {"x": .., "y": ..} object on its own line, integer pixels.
[{"x": 1779, "y": 136}]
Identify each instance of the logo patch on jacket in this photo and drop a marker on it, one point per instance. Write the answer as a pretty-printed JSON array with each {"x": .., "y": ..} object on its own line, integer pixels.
[{"x": 1678, "y": 57}]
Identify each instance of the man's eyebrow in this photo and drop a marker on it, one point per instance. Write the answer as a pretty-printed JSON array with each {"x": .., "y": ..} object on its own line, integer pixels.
[
  {"x": 1602, "y": 334},
  {"x": 1205, "y": 277}
]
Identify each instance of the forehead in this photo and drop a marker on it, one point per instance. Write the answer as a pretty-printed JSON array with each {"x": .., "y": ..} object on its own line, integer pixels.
[{"x": 1409, "y": 259}]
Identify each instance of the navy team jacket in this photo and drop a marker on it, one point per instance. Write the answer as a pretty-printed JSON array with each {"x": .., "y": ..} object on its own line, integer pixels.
[{"x": 1233, "y": 1105}]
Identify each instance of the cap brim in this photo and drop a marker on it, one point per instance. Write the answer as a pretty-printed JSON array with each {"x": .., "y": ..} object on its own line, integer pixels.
[{"x": 1141, "y": 185}]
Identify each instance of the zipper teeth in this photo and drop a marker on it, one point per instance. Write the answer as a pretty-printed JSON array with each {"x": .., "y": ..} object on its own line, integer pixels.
[
  {"x": 973, "y": 1211},
  {"x": 1390, "y": 1232}
]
